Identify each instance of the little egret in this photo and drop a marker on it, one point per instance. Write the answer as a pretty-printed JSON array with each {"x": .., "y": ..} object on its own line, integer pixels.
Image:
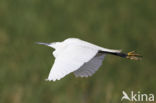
[{"x": 80, "y": 57}]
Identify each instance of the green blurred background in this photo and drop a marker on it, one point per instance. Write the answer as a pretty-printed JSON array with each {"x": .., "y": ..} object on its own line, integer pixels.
[{"x": 119, "y": 24}]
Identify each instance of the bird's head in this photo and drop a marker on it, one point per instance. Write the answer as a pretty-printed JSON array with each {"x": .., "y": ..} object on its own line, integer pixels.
[{"x": 52, "y": 45}]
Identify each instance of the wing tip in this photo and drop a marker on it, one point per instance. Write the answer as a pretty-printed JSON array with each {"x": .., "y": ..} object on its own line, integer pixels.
[
  {"x": 52, "y": 79},
  {"x": 49, "y": 80}
]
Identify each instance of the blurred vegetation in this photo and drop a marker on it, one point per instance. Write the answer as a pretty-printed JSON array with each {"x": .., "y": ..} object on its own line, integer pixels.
[{"x": 119, "y": 24}]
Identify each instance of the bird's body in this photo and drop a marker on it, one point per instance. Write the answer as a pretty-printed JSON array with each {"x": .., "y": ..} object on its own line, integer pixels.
[{"x": 80, "y": 57}]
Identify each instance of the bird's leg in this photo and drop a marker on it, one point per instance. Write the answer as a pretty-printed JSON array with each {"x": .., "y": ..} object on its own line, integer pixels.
[
  {"x": 133, "y": 56},
  {"x": 130, "y": 55}
]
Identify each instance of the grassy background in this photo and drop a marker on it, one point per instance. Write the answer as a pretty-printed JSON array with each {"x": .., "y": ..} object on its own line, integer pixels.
[{"x": 119, "y": 24}]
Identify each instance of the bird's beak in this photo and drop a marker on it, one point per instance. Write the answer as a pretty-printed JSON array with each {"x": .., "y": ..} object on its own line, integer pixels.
[{"x": 46, "y": 44}]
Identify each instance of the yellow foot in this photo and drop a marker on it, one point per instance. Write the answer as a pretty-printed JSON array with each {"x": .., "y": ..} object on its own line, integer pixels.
[{"x": 133, "y": 56}]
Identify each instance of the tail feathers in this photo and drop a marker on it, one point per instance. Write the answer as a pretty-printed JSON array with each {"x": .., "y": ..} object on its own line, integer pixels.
[
  {"x": 112, "y": 50},
  {"x": 115, "y": 51}
]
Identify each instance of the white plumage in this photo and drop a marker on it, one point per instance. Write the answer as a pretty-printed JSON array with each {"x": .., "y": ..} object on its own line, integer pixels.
[
  {"x": 77, "y": 56},
  {"x": 89, "y": 68}
]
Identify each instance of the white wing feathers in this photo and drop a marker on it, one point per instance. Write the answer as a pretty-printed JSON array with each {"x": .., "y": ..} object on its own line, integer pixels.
[
  {"x": 89, "y": 68},
  {"x": 71, "y": 59}
]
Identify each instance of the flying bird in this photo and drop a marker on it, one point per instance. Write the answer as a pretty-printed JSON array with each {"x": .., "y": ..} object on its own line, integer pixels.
[{"x": 80, "y": 57}]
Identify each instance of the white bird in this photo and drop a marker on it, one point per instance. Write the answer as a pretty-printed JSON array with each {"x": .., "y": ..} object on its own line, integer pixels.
[{"x": 79, "y": 57}]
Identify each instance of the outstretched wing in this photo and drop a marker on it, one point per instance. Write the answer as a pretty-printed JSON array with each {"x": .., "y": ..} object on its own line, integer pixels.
[
  {"x": 89, "y": 68},
  {"x": 71, "y": 59}
]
